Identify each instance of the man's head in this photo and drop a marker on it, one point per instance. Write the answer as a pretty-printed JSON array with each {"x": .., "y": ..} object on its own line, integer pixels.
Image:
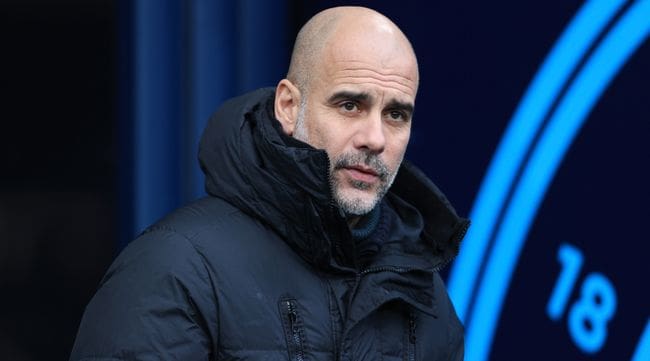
[{"x": 350, "y": 90}]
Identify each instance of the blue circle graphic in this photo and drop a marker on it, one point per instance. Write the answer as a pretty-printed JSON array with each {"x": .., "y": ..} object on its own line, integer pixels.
[{"x": 617, "y": 46}]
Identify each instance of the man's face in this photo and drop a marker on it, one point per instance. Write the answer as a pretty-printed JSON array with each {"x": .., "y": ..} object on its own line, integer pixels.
[{"x": 358, "y": 109}]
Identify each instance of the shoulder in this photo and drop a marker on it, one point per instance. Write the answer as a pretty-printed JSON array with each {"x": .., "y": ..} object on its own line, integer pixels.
[
  {"x": 205, "y": 224},
  {"x": 158, "y": 285},
  {"x": 198, "y": 216},
  {"x": 209, "y": 231}
]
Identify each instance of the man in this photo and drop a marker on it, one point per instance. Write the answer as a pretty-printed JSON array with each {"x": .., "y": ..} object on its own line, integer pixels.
[{"x": 303, "y": 250}]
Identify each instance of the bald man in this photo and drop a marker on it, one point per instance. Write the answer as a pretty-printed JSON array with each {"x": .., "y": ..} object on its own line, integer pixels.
[{"x": 316, "y": 242}]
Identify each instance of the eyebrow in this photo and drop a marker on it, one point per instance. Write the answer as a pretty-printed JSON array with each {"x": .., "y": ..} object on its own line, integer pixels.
[
  {"x": 365, "y": 97},
  {"x": 398, "y": 105},
  {"x": 348, "y": 95}
]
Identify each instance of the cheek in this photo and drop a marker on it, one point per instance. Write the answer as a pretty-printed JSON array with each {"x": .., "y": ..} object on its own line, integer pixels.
[
  {"x": 398, "y": 145},
  {"x": 329, "y": 140},
  {"x": 325, "y": 134}
]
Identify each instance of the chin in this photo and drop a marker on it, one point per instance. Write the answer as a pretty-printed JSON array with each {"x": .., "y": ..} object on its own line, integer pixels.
[{"x": 356, "y": 202}]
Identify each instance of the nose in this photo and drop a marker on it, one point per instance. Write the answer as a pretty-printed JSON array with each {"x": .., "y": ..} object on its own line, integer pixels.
[{"x": 370, "y": 134}]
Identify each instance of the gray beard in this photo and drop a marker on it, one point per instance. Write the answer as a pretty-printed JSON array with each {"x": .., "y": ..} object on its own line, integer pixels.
[
  {"x": 350, "y": 205},
  {"x": 356, "y": 205}
]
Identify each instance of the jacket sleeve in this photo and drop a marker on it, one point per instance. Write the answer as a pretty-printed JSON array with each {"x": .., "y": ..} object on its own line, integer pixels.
[
  {"x": 456, "y": 334},
  {"x": 458, "y": 349},
  {"x": 156, "y": 302}
]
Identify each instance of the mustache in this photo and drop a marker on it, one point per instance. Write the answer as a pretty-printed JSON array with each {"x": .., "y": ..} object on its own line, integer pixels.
[{"x": 369, "y": 160}]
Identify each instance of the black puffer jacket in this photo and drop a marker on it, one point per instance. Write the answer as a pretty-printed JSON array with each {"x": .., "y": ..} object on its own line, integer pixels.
[{"x": 265, "y": 267}]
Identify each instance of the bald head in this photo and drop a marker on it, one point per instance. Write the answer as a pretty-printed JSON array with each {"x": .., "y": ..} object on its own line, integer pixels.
[
  {"x": 350, "y": 91},
  {"x": 336, "y": 31}
]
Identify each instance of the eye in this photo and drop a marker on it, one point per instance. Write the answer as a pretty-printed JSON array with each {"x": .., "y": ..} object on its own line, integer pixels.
[
  {"x": 397, "y": 115},
  {"x": 349, "y": 106}
]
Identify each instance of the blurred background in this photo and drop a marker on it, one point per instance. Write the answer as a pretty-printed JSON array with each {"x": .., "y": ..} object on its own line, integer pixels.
[{"x": 533, "y": 117}]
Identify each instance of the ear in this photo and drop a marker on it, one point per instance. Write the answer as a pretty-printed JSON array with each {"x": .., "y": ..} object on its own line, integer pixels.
[{"x": 287, "y": 104}]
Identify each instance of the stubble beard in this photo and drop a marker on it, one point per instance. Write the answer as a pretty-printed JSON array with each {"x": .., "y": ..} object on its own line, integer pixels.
[
  {"x": 359, "y": 205},
  {"x": 349, "y": 203}
]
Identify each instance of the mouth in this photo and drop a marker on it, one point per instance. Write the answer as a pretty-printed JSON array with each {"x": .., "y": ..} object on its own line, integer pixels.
[{"x": 361, "y": 173}]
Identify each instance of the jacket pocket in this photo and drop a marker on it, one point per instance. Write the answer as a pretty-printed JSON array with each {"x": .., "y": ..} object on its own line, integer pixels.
[{"x": 293, "y": 329}]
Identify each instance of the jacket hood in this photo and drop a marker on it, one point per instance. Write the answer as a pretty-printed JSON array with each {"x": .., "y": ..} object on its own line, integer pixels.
[{"x": 249, "y": 162}]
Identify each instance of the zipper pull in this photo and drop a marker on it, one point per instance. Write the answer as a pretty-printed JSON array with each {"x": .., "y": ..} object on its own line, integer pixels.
[{"x": 293, "y": 317}]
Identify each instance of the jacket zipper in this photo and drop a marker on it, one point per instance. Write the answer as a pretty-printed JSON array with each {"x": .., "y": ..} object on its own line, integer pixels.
[
  {"x": 412, "y": 331},
  {"x": 412, "y": 338},
  {"x": 386, "y": 269},
  {"x": 436, "y": 268},
  {"x": 294, "y": 336}
]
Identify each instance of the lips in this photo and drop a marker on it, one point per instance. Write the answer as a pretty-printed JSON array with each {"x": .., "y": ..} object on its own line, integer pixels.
[{"x": 361, "y": 173}]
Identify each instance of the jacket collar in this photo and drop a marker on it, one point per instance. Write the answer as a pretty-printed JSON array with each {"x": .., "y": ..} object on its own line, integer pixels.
[{"x": 251, "y": 163}]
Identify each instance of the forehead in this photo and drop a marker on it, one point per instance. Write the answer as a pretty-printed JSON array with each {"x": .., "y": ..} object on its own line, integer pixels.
[
  {"x": 370, "y": 78},
  {"x": 371, "y": 61}
]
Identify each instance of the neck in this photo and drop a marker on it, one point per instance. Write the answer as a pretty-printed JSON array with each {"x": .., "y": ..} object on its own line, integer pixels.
[
  {"x": 362, "y": 226},
  {"x": 353, "y": 220}
]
